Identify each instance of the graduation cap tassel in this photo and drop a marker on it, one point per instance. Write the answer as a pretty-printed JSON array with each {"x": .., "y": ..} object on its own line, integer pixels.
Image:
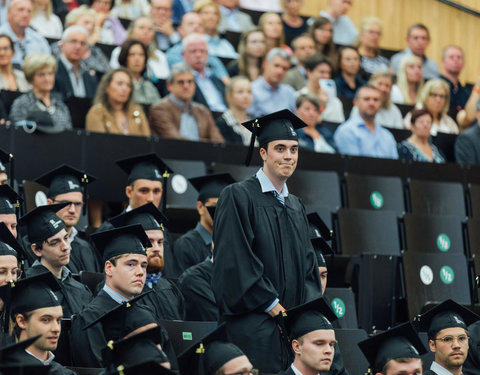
[
  {"x": 11, "y": 176},
  {"x": 166, "y": 175},
  {"x": 84, "y": 188},
  {"x": 252, "y": 143}
]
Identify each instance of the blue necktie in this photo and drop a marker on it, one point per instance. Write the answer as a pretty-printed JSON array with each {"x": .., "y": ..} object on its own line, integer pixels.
[{"x": 280, "y": 197}]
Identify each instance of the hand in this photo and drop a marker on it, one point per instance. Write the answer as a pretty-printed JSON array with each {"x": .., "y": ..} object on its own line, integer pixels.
[
  {"x": 165, "y": 28},
  {"x": 323, "y": 97},
  {"x": 100, "y": 19},
  {"x": 277, "y": 309}
]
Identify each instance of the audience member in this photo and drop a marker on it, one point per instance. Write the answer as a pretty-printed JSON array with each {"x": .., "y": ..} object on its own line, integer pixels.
[
  {"x": 409, "y": 80},
  {"x": 210, "y": 91},
  {"x": 44, "y": 21},
  {"x": 177, "y": 116},
  {"x": 130, "y": 9},
  {"x": 467, "y": 145},
  {"x": 10, "y": 78},
  {"x": 344, "y": 31},
  {"x": 321, "y": 30},
  {"x": 469, "y": 115},
  {"x": 303, "y": 47},
  {"x": 25, "y": 39},
  {"x": 180, "y": 8},
  {"x": 41, "y": 105},
  {"x": 362, "y": 135},
  {"x": 418, "y": 38},
  {"x": 348, "y": 79},
  {"x": 63, "y": 7},
  {"x": 252, "y": 48},
  {"x": 389, "y": 115},
  {"x": 72, "y": 77},
  {"x": 113, "y": 110},
  {"x": 110, "y": 28},
  {"x": 142, "y": 29},
  {"x": 453, "y": 61},
  {"x": 161, "y": 14},
  {"x": 134, "y": 57},
  {"x": 269, "y": 94},
  {"x": 434, "y": 98},
  {"x": 318, "y": 68},
  {"x": 294, "y": 24},
  {"x": 313, "y": 136},
  {"x": 418, "y": 147},
  {"x": 210, "y": 15},
  {"x": 233, "y": 19},
  {"x": 271, "y": 25},
  {"x": 239, "y": 98},
  {"x": 369, "y": 46}
]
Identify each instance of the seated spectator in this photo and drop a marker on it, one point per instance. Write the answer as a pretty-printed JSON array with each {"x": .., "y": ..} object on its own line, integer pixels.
[
  {"x": 271, "y": 25},
  {"x": 389, "y": 115},
  {"x": 44, "y": 21},
  {"x": 361, "y": 135},
  {"x": 25, "y": 39},
  {"x": 294, "y": 24},
  {"x": 178, "y": 116},
  {"x": 348, "y": 79},
  {"x": 232, "y": 18},
  {"x": 72, "y": 77},
  {"x": 142, "y": 29},
  {"x": 94, "y": 59},
  {"x": 10, "y": 78},
  {"x": 344, "y": 31},
  {"x": 269, "y": 94},
  {"x": 467, "y": 145},
  {"x": 252, "y": 48},
  {"x": 134, "y": 57},
  {"x": 418, "y": 147},
  {"x": 318, "y": 68},
  {"x": 130, "y": 9},
  {"x": 321, "y": 30},
  {"x": 110, "y": 28},
  {"x": 239, "y": 98},
  {"x": 313, "y": 136},
  {"x": 434, "y": 97},
  {"x": 161, "y": 15},
  {"x": 303, "y": 47},
  {"x": 179, "y": 9},
  {"x": 369, "y": 46},
  {"x": 210, "y": 91},
  {"x": 41, "y": 105},
  {"x": 210, "y": 15},
  {"x": 409, "y": 81},
  {"x": 192, "y": 23},
  {"x": 418, "y": 38},
  {"x": 113, "y": 110}
]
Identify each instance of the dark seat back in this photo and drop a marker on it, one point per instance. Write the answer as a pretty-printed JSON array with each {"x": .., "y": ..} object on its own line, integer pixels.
[
  {"x": 342, "y": 301},
  {"x": 353, "y": 358}
]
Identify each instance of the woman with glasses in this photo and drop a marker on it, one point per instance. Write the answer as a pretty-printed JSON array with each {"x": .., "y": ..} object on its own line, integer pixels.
[
  {"x": 369, "y": 46},
  {"x": 10, "y": 78}
]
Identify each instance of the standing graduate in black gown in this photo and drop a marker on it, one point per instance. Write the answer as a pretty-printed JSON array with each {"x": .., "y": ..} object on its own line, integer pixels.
[
  {"x": 68, "y": 185},
  {"x": 264, "y": 261}
]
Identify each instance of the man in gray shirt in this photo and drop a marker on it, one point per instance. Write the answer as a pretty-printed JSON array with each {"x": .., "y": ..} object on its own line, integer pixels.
[{"x": 467, "y": 145}]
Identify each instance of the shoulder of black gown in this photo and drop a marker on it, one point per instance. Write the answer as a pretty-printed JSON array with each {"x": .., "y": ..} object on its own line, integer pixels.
[{"x": 57, "y": 369}]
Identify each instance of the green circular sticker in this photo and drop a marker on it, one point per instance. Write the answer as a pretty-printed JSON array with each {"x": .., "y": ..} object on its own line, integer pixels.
[
  {"x": 338, "y": 307},
  {"x": 376, "y": 199},
  {"x": 447, "y": 275},
  {"x": 443, "y": 242}
]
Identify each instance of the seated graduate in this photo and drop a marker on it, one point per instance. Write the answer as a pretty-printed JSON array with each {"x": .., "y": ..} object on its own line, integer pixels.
[
  {"x": 9, "y": 200},
  {"x": 396, "y": 351},
  {"x": 166, "y": 299},
  {"x": 35, "y": 310},
  {"x": 50, "y": 242},
  {"x": 69, "y": 185}
]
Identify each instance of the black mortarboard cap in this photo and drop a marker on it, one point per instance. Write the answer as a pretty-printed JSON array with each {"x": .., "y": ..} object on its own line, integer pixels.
[
  {"x": 210, "y": 186},
  {"x": 9, "y": 200},
  {"x": 399, "y": 342},
  {"x": 211, "y": 211},
  {"x": 320, "y": 246},
  {"x": 42, "y": 222},
  {"x": 9, "y": 245},
  {"x": 148, "y": 216},
  {"x": 13, "y": 355},
  {"x": 448, "y": 314},
  {"x": 146, "y": 166},
  {"x": 272, "y": 127},
  {"x": 130, "y": 239},
  {"x": 149, "y": 367},
  {"x": 308, "y": 317},
  {"x": 7, "y": 158},
  {"x": 317, "y": 227}
]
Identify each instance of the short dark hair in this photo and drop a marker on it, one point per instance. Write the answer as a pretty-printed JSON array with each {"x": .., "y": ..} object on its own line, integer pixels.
[
  {"x": 111, "y": 4},
  {"x": 14, "y": 327},
  {"x": 416, "y": 113},
  {"x": 9, "y": 41},
  {"x": 114, "y": 259},
  {"x": 125, "y": 50},
  {"x": 340, "y": 53},
  {"x": 420, "y": 26},
  {"x": 399, "y": 360},
  {"x": 367, "y": 86},
  {"x": 311, "y": 62}
]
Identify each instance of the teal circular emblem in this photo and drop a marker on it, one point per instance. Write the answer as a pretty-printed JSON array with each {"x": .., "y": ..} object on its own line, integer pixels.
[
  {"x": 338, "y": 307},
  {"x": 443, "y": 242},
  {"x": 447, "y": 275},
  {"x": 376, "y": 199}
]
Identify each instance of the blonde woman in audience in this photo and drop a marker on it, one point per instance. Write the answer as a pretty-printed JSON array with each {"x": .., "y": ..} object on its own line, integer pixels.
[
  {"x": 252, "y": 48},
  {"x": 435, "y": 98},
  {"x": 44, "y": 21},
  {"x": 142, "y": 29},
  {"x": 10, "y": 79},
  {"x": 114, "y": 111},
  {"x": 369, "y": 46},
  {"x": 271, "y": 25},
  {"x": 130, "y": 9},
  {"x": 321, "y": 30},
  {"x": 409, "y": 80}
]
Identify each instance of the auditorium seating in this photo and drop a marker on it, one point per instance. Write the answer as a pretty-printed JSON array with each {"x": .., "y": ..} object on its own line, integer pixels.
[{"x": 353, "y": 358}]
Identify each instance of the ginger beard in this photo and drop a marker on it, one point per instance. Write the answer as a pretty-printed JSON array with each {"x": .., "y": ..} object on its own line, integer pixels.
[{"x": 155, "y": 253}]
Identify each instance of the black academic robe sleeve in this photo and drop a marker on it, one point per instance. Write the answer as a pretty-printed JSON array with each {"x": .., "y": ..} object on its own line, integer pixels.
[
  {"x": 472, "y": 364},
  {"x": 166, "y": 300},
  {"x": 83, "y": 257},
  {"x": 189, "y": 250},
  {"x": 57, "y": 369}
]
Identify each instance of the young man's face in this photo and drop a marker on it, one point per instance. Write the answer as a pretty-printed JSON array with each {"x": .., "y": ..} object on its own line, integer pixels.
[
  {"x": 280, "y": 158},
  {"x": 10, "y": 220},
  {"x": 71, "y": 213},
  {"x": 450, "y": 347},
  {"x": 55, "y": 250},
  {"x": 46, "y": 322},
  {"x": 129, "y": 274},
  {"x": 414, "y": 367},
  {"x": 155, "y": 253},
  {"x": 8, "y": 269},
  {"x": 323, "y": 277},
  {"x": 144, "y": 191},
  {"x": 315, "y": 350}
]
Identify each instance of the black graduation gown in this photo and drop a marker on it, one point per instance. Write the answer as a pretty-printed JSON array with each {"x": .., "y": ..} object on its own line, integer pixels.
[
  {"x": 83, "y": 257},
  {"x": 262, "y": 252},
  {"x": 196, "y": 286},
  {"x": 57, "y": 369},
  {"x": 472, "y": 364},
  {"x": 166, "y": 300},
  {"x": 429, "y": 372}
]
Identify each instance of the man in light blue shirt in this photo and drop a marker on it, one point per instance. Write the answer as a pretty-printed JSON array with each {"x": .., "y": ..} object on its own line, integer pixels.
[
  {"x": 232, "y": 18},
  {"x": 344, "y": 31},
  {"x": 361, "y": 135}
]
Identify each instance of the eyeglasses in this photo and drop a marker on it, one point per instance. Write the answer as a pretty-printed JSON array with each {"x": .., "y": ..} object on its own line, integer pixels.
[
  {"x": 5, "y": 49},
  {"x": 435, "y": 95},
  {"x": 182, "y": 82},
  {"x": 253, "y": 371},
  {"x": 14, "y": 273},
  {"x": 462, "y": 339},
  {"x": 76, "y": 204}
]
